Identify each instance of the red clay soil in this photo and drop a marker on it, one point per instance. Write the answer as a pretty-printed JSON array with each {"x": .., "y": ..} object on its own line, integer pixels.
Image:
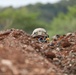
[{"x": 20, "y": 54}]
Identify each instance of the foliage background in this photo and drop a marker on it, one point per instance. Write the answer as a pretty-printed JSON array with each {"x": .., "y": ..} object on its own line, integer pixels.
[{"x": 58, "y": 18}]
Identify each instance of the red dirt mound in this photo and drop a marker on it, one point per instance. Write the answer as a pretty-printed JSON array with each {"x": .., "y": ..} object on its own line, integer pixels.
[{"x": 20, "y": 54}]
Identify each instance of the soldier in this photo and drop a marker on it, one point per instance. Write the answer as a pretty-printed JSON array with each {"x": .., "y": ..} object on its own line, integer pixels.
[{"x": 41, "y": 34}]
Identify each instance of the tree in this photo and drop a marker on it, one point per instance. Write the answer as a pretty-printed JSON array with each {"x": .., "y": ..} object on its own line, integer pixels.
[{"x": 64, "y": 22}]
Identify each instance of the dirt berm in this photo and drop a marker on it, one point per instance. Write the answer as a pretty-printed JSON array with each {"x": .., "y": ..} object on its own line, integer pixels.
[{"x": 20, "y": 54}]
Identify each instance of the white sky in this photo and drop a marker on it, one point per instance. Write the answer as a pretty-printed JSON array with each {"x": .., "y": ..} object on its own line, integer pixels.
[{"x": 18, "y": 3}]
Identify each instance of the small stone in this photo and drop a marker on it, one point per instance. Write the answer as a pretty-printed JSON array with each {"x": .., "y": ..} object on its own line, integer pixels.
[
  {"x": 56, "y": 59},
  {"x": 50, "y": 55},
  {"x": 58, "y": 49},
  {"x": 70, "y": 64},
  {"x": 65, "y": 43},
  {"x": 6, "y": 62},
  {"x": 1, "y": 46}
]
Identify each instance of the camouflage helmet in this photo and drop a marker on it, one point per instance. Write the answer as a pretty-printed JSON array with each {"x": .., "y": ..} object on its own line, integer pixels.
[{"x": 39, "y": 32}]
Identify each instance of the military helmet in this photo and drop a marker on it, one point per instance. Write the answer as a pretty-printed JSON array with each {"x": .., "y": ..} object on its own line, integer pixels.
[{"x": 39, "y": 32}]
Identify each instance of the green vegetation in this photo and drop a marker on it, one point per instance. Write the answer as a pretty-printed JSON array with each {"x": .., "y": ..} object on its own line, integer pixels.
[
  {"x": 56, "y": 18},
  {"x": 64, "y": 22}
]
